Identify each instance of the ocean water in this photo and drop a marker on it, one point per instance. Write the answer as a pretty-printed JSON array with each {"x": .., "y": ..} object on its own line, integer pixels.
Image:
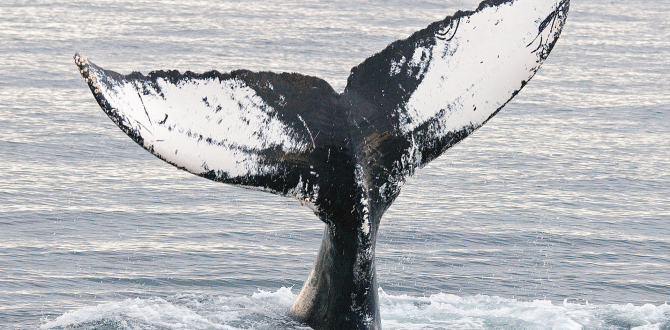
[{"x": 554, "y": 215}]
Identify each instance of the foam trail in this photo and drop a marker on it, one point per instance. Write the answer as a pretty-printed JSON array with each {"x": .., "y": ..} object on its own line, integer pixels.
[{"x": 267, "y": 310}]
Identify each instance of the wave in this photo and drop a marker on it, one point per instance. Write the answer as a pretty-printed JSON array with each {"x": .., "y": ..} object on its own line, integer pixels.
[{"x": 268, "y": 310}]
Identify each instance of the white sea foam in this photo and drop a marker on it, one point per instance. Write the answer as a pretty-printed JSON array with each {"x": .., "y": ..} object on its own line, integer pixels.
[
  {"x": 268, "y": 310},
  {"x": 135, "y": 314},
  {"x": 446, "y": 311}
]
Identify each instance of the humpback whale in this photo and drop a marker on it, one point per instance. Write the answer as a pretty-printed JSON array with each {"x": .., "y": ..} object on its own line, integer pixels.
[{"x": 344, "y": 155}]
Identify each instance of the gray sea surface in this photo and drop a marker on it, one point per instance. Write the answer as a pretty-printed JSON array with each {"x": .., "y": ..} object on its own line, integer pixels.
[{"x": 554, "y": 215}]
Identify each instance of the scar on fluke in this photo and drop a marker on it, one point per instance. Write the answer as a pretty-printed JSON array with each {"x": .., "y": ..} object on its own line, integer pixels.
[{"x": 450, "y": 32}]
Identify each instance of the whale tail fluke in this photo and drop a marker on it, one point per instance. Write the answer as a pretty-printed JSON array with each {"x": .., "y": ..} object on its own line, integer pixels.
[{"x": 345, "y": 155}]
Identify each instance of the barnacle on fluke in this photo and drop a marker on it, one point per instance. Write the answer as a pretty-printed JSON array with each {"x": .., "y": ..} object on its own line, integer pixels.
[{"x": 344, "y": 155}]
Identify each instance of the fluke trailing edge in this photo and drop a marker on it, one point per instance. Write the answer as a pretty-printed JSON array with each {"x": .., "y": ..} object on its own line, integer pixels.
[{"x": 344, "y": 155}]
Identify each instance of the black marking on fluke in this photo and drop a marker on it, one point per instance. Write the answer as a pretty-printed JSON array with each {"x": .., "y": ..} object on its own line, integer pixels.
[
  {"x": 164, "y": 120},
  {"x": 346, "y": 155}
]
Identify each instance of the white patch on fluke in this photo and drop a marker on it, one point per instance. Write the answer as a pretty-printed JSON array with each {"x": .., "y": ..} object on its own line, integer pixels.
[
  {"x": 476, "y": 64},
  {"x": 203, "y": 125},
  {"x": 396, "y": 67}
]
